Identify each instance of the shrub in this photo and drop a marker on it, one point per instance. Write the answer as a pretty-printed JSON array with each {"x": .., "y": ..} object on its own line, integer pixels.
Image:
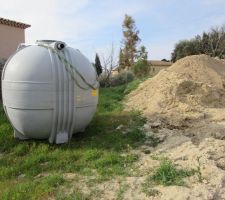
[
  {"x": 104, "y": 80},
  {"x": 141, "y": 68},
  {"x": 168, "y": 174},
  {"x": 121, "y": 78}
]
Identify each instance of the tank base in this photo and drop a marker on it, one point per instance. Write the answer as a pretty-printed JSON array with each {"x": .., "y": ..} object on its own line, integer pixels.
[
  {"x": 18, "y": 135},
  {"x": 61, "y": 137}
]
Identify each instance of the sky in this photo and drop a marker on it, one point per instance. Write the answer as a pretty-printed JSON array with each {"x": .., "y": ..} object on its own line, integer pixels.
[{"x": 94, "y": 25}]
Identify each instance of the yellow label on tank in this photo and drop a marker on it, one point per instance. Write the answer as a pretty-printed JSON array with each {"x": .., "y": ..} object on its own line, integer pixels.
[
  {"x": 78, "y": 98},
  {"x": 94, "y": 93}
]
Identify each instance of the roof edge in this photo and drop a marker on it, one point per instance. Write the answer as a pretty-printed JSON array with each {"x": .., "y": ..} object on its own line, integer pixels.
[{"x": 13, "y": 23}]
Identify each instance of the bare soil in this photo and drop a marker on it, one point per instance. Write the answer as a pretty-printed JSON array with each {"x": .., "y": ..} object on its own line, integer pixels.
[
  {"x": 185, "y": 105},
  {"x": 185, "y": 108}
]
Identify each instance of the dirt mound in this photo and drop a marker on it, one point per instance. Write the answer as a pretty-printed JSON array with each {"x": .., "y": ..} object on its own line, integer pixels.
[{"x": 183, "y": 92}]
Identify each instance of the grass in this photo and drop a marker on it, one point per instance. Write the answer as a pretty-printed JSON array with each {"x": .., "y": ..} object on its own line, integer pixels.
[
  {"x": 166, "y": 174},
  {"x": 121, "y": 191},
  {"x": 36, "y": 189},
  {"x": 169, "y": 174},
  {"x": 102, "y": 150},
  {"x": 74, "y": 196},
  {"x": 149, "y": 191},
  {"x": 198, "y": 170}
]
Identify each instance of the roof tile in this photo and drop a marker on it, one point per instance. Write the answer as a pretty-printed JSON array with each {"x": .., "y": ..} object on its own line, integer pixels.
[{"x": 13, "y": 23}]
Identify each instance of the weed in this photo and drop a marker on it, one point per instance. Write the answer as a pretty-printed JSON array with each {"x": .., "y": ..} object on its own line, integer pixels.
[
  {"x": 198, "y": 170},
  {"x": 150, "y": 191},
  {"x": 121, "y": 191},
  {"x": 168, "y": 174},
  {"x": 76, "y": 195}
]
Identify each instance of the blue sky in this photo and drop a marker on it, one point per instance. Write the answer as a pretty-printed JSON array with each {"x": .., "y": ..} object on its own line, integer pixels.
[{"x": 93, "y": 25}]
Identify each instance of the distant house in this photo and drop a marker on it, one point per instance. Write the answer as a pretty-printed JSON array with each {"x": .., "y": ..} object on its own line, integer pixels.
[
  {"x": 157, "y": 65},
  {"x": 115, "y": 71},
  {"x": 12, "y": 33}
]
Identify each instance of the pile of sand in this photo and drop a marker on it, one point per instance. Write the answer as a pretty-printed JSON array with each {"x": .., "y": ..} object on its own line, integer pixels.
[{"x": 183, "y": 92}]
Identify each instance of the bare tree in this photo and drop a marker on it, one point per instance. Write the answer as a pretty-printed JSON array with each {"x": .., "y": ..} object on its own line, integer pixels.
[
  {"x": 108, "y": 64},
  {"x": 217, "y": 41}
]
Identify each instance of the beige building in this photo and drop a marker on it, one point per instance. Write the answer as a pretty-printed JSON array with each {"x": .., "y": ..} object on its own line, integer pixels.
[
  {"x": 157, "y": 65},
  {"x": 12, "y": 33}
]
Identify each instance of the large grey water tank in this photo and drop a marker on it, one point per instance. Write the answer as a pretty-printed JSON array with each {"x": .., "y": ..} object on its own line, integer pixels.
[{"x": 49, "y": 90}]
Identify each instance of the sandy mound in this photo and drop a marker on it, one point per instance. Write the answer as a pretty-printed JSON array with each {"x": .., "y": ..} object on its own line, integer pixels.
[
  {"x": 185, "y": 107},
  {"x": 183, "y": 92}
]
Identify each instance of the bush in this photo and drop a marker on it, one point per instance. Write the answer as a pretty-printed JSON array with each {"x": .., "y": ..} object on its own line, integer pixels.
[
  {"x": 121, "y": 78},
  {"x": 141, "y": 68},
  {"x": 104, "y": 80},
  {"x": 168, "y": 174}
]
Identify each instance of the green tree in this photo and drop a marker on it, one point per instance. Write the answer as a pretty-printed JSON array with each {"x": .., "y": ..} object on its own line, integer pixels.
[
  {"x": 130, "y": 41},
  {"x": 141, "y": 68},
  {"x": 98, "y": 65},
  {"x": 121, "y": 60},
  {"x": 186, "y": 48},
  {"x": 142, "y": 53},
  {"x": 205, "y": 46},
  {"x": 211, "y": 43}
]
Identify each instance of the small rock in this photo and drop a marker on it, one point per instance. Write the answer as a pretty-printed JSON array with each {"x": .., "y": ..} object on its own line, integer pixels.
[
  {"x": 21, "y": 176},
  {"x": 204, "y": 181},
  {"x": 149, "y": 134},
  {"x": 156, "y": 124},
  {"x": 147, "y": 126},
  {"x": 120, "y": 127}
]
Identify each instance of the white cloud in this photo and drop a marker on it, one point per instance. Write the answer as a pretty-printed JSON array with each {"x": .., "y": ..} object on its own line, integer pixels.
[
  {"x": 44, "y": 16},
  {"x": 65, "y": 19},
  {"x": 92, "y": 25},
  {"x": 79, "y": 23}
]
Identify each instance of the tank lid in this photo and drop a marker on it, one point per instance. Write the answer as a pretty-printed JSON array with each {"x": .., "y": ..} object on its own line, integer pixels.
[
  {"x": 53, "y": 43},
  {"x": 46, "y": 41}
]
